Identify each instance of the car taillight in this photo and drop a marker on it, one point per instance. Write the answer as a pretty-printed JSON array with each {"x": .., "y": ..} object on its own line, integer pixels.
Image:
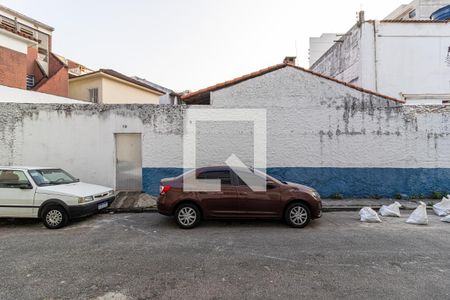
[{"x": 164, "y": 189}]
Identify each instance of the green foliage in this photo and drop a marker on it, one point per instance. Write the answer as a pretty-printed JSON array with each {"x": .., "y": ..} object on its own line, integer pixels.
[
  {"x": 337, "y": 196},
  {"x": 438, "y": 195}
]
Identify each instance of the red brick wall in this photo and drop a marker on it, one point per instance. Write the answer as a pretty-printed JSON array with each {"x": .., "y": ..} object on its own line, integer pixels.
[
  {"x": 13, "y": 68},
  {"x": 31, "y": 58},
  {"x": 58, "y": 84}
]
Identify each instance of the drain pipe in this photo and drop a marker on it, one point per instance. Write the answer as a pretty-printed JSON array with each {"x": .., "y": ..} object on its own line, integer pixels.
[{"x": 375, "y": 54}]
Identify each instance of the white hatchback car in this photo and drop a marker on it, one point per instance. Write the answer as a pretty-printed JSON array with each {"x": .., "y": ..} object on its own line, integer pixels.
[{"x": 50, "y": 194}]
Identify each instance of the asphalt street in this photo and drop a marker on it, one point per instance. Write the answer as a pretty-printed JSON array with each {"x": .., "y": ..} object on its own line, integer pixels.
[{"x": 142, "y": 256}]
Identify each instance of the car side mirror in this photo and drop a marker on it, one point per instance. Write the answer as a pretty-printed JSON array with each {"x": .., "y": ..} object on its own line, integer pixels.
[
  {"x": 271, "y": 185},
  {"x": 26, "y": 186}
]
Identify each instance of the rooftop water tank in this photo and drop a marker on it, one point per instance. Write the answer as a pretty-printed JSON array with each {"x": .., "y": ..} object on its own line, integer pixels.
[{"x": 442, "y": 13}]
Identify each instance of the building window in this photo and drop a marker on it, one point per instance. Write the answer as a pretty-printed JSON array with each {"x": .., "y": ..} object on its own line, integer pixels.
[
  {"x": 44, "y": 46},
  {"x": 412, "y": 14},
  {"x": 30, "y": 82},
  {"x": 93, "y": 95}
]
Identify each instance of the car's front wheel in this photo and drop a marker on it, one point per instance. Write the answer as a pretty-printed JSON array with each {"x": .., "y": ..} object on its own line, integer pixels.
[
  {"x": 297, "y": 215},
  {"x": 55, "y": 217},
  {"x": 187, "y": 216}
]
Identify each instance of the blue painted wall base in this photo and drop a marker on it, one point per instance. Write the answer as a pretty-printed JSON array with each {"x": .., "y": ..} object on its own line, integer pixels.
[{"x": 350, "y": 182}]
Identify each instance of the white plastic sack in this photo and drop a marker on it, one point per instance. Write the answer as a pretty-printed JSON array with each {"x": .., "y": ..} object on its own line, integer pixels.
[
  {"x": 442, "y": 208},
  {"x": 446, "y": 219},
  {"x": 392, "y": 210},
  {"x": 369, "y": 215},
  {"x": 419, "y": 215}
]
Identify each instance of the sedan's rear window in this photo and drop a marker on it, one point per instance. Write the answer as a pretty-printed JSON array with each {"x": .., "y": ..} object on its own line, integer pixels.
[{"x": 12, "y": 179}]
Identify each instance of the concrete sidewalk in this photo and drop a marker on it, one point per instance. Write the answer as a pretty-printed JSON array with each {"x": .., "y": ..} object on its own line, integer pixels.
[
  {"x": 357, "y": 204},
  {"x": 141, "y": 202}
]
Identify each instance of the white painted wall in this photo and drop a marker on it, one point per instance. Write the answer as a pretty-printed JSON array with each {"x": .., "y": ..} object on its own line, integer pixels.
[
  {"x": 342, "y": 60},
  {"x": 319, "y": 45},
  {"x": 13, "y": 41},
  {"x": 312, "y": 122},
  {"x": 411, "y": 58},
  {"x": 393, "y": 58},
  {"x": 80, "y": 138},
  {"x": 423, "y": 10}
]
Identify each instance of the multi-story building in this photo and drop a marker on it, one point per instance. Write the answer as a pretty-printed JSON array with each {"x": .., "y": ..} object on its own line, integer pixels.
[
  {"x": 26, "y": 58},
  {"x": 417, "y": 10},
  {"x": 405, "y": 59},
  {"x": 319, "y": 45}
]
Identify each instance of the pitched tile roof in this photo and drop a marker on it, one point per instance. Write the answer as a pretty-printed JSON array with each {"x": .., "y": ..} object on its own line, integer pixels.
[{"x": 187, "y": 97}]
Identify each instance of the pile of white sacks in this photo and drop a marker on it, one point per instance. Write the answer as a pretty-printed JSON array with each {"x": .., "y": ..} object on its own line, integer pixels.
[{"x": 418, "y": 216}]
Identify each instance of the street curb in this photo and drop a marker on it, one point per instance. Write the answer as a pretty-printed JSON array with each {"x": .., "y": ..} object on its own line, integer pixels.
[
  {"x": 132, "y": 210},
  {"x": 324, "y": 209},
  {"x": 356, "y": 208}
]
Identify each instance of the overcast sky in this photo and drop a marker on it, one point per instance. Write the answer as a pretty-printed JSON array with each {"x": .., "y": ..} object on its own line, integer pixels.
[{"x": 191, "y": 44}]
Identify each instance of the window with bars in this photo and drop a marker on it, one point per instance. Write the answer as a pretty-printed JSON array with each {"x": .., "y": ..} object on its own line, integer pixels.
[
  {"x": 30, "y": 82},
  {"x": 93, "y": 95}
]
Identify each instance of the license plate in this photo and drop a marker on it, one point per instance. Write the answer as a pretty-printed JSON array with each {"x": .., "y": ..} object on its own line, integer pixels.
[{"x": 103, "y": 205}]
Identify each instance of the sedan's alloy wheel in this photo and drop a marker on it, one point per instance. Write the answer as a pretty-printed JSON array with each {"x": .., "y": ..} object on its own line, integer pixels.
[
  {"x": 54, "y": 217},
  {"x": 298, "y": 215},
  {"x": 187, "y": 216}
]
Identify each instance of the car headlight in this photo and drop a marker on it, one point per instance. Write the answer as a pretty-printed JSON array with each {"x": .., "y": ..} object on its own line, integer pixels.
[
  {"x": 85, "y": 199},
  {"x": 316, "y": 195},
  {"x": 110, "y": 193}
]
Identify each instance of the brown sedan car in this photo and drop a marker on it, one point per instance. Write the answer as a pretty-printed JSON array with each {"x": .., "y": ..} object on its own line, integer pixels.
[{"x": 296, "y": 204}]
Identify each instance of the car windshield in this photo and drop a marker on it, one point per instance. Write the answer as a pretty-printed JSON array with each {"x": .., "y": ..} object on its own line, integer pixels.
[
  {"x": 264, "y": 175},
  {"x": 45, "y": 177}
]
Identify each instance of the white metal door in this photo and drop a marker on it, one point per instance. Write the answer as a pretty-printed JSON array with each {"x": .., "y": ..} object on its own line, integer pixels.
[{"x": 128, "y": 162}]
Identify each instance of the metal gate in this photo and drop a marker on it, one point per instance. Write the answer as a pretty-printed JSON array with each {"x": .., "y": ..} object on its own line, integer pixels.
[{"x": 128, "y": 162}]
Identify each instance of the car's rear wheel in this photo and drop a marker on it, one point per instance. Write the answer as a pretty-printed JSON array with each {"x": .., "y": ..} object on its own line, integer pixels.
[
  {"x": 297, "y": 215},
  {"x": 55, "y": 217},
  {"x": 187, "y": 216}
]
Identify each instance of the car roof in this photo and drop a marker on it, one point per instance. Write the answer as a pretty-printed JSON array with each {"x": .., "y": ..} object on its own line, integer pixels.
[
  {"x": 213, "y": 168},
  {"x": 23, "y": 168}
]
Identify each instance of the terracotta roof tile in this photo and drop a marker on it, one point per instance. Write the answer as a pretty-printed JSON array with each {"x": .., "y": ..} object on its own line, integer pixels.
[
  {"x": 233, "y": 81},
  {"x": 237, "y": 80}
]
